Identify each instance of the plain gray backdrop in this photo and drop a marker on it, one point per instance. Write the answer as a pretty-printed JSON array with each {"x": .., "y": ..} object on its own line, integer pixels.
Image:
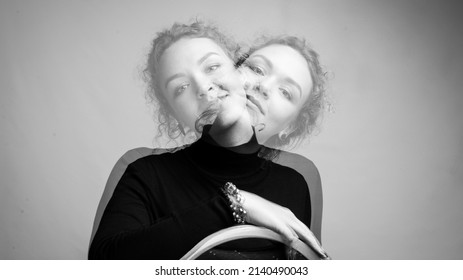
[{"x": 391, "y": 158}]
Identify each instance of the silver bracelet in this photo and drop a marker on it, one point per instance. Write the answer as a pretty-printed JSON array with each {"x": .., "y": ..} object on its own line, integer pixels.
[{"x": 236, "y": 202}]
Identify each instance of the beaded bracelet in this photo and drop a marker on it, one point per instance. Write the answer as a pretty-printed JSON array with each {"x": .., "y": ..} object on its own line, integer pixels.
[{"x": 236, "y": 202}]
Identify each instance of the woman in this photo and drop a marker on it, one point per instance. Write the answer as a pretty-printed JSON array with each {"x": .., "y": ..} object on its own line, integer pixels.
[
  {"x": 287, "y": 97},
  {"x": 287, "y": 93},
  {"x": 285, "y": 90},
  {"x": 140, "y": 218}
]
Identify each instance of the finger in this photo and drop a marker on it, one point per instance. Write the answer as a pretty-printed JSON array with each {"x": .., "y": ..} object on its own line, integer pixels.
[
  {"x": 327, "y": 257},
  {"x": 306, "y": 235},
  {"x": 316, "y": 247},
  {"x": 287, "y": 233}
]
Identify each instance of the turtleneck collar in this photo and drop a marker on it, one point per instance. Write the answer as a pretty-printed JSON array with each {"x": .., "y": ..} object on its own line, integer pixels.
[
  {"x": 250, "y": 147},
  {"x": 223, "y": 162}
]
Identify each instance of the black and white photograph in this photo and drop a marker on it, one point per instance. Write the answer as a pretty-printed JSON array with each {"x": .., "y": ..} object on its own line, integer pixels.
[{"x": 244, "y": 130}]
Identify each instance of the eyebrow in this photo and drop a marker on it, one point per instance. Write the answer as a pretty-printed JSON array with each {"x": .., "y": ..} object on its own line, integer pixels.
[
  {"x": 206, "y": 56},
  {"x": 263, "y": 58},
  {"x": 286, "y": 79},
  {"x": 179, "y": 75}
]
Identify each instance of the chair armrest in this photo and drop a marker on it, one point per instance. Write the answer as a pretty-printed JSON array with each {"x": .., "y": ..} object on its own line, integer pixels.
[{"x": 245, "y": 231}]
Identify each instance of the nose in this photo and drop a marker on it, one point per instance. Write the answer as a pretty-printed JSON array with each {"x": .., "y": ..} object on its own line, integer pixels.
[
  {"x": 208, "y": 92},
  {"x": 261, "y": 87}
]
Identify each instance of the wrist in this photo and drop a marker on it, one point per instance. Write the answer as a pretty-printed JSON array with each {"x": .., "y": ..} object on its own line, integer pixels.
[{"x": 236, "y": 201}]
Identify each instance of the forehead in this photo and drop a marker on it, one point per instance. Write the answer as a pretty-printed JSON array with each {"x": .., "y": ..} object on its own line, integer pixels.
[
  {"x": 287, "y": 62},
  {"x": 187, "y": 50}
]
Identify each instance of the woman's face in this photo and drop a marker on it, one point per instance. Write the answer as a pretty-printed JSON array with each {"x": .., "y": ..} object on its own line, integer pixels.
[
  {"x": 279, "y": 84},
  {"x": 195, "y": 73}
]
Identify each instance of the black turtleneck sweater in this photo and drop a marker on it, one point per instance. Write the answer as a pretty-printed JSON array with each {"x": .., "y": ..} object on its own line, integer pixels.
[{"x": 165, "y": 204}]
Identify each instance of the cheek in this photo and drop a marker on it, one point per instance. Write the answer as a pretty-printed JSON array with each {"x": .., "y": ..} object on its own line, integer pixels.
[
  {"x": 186, "y": 109},
  {"x": 230, "y": 77},
  {"x": 281, "y": 114}
]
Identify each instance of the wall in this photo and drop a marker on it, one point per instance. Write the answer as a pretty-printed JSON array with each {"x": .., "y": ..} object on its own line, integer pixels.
[{"x": 72, "y": 102}]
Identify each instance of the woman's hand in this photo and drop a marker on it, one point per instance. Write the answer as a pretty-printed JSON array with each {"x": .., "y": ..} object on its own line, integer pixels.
[{"x": 262, "y": 212}]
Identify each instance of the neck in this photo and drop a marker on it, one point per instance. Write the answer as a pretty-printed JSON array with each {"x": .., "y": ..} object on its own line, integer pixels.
[{"x": 234, "y": 136}]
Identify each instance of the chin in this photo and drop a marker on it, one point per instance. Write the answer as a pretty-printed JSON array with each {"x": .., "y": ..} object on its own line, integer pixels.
[{"x": 225, "y": 120}]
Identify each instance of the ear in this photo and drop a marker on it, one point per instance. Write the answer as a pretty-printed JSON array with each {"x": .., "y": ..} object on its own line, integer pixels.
[{"x": 285, "y": 132}]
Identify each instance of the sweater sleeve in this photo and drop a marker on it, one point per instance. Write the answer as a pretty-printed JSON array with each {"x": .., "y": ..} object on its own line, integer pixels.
[
  {"x": 311, "y": 175},
  {"x": 133, "y": 226}
]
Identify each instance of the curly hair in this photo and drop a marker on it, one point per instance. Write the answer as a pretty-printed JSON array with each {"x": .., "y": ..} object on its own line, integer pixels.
[
  {"x": 163, "y": 40},
  {"x": 311, "y": 113}
]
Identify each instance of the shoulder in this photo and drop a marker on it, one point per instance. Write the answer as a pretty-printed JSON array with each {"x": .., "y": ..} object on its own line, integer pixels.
[
  {"x": 160, "y": 151},
  {"x": 140, "y": 152},
  {"x": 297, "y": 162},
  {"x": 144, "y": 154},
  {"x": 135, "y": 154},
  {"x": 304, "y": 166},
  {"x": 290, "y": 169},
  {"x": 149, "y": 158}
]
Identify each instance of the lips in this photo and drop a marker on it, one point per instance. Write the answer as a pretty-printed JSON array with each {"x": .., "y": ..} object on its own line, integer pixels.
[{"x": 256, "y": 103}]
